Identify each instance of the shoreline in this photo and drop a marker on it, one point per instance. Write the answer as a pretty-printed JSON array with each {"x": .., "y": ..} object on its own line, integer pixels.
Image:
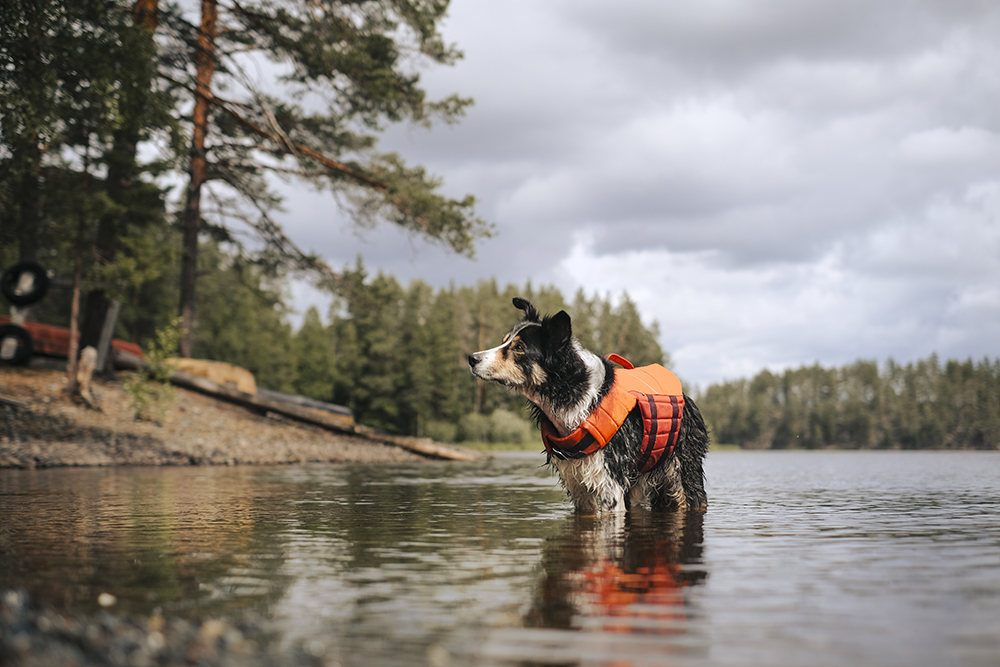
[{"x": 49, "y": 428}]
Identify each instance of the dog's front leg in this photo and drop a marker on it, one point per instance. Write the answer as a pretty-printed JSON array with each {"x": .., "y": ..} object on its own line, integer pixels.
[{"x": 585, "y": 499}]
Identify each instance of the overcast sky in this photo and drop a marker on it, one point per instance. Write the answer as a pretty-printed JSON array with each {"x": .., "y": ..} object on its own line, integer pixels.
[{"x": 775, "y": 182}]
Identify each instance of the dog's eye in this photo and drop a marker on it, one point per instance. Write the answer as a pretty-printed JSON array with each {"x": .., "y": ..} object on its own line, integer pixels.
[{"x": 518, "y": 346}]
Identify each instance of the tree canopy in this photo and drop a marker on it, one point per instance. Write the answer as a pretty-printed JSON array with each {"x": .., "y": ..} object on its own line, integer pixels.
[
  {"x": 343, "y": 69},
  {"x": 88, "y": 87}
]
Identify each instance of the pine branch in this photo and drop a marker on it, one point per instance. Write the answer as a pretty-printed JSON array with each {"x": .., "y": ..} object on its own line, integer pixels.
[
  {"x": 275, "y": 236},
  {"x": 294, "y": 147}
]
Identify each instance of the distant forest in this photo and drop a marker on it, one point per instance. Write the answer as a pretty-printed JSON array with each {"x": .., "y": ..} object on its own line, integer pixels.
[{"x": 922, "y": 405}]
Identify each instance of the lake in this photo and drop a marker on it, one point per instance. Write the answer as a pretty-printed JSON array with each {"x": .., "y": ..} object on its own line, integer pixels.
[{"x": 803, "y": 558}]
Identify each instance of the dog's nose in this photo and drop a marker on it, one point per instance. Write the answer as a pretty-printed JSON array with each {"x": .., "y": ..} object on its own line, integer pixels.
[{"x": 473, "y": 360}]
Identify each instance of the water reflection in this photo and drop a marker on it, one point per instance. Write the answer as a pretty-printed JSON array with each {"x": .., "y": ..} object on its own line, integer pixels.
[
  {"x": 362, "y": 565},
  {"x": 193, "y": 542},
  {"x": 612, "y": 591}
]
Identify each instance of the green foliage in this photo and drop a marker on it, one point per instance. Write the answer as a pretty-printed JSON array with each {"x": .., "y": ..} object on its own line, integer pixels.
[
  {"x": 441, "y": 431},
  {"x": 241, "y": 319},
  {"x": 506, "y": 426},
  {"x": 346, "y": 70},
  {"x": 605, "y": 328},
  {"x": 474, "y": 427},
  {"x": 314, "y": 375},
  {"x": 149, "y": 388},
  {"x": 502, "y": 427},
  {"x": 78, "y": 102},
  {"x": 918, "y": 406},
  {"x": 69, "y": 76},
  {"x": 400, "y": 353}
]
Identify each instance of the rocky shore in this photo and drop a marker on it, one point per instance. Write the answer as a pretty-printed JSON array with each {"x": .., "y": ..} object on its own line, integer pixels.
[
  {"x": 43, "y": 427},
  {"x": 41, "y": 637}
]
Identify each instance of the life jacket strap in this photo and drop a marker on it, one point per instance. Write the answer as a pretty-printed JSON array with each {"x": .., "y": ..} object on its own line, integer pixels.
[{"x": 661, "y": 422}]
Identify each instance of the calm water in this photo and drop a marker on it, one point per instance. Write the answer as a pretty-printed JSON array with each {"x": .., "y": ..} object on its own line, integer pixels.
[{"x": 804, "y": 558}]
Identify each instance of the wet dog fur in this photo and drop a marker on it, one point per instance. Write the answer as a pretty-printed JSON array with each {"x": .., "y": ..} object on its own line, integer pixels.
[{"x": 564, "y": 382}]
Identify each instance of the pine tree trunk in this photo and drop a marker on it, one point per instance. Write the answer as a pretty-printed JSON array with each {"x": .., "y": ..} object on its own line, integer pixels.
[
  {"x": 205, "y": 68},
  {"x": 74, "y": 314},
  {"x": 30, "y": 198}
]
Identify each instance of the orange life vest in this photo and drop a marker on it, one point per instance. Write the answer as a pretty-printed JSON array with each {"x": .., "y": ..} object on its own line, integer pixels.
[{"x": 658, "y": 394}]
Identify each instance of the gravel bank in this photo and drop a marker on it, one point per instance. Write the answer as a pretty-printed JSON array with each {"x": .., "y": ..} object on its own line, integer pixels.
[{"x": 56, "y": 430}]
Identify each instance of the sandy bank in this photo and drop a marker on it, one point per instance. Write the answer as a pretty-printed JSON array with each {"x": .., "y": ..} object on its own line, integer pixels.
[{"x": 55, "y": 430}]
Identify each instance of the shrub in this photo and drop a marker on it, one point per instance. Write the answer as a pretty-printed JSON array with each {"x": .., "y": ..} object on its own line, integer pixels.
[
  {"x": 503, "y": 426},
  {"x": 508, "y": 427},
  {"x": 149, "y": 388},
  {"x": 441, "y": 431},
  {"x": 474, "y": 427}
]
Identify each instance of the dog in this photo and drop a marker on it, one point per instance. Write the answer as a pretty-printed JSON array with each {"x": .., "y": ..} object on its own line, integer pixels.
[{"x": 613, "y": 445}]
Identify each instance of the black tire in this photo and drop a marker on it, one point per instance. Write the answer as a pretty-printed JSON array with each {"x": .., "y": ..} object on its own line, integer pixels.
[
  {"x": 25, "y": 346},
  {"x": 8, "y": 283}
]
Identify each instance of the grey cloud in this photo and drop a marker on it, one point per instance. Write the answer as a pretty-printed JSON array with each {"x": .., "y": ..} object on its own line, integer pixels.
[
  {"x": 734, "y": 35},
  {"x": 789, "y": 161}
]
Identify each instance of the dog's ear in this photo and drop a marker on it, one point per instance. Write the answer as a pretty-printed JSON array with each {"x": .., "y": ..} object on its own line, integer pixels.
[
  {"x": 530, "y": 313},
  {"x": 557, "y": 331}
]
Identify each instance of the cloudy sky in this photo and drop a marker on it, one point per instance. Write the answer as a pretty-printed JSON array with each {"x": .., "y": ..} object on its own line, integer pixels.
[{"x": 775, "y": 182}]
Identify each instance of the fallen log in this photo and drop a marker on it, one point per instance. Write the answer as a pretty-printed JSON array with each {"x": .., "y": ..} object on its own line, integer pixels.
[
  {"x": 424, "y": 446},
  {"x": 333, "y": 421},
  {"x": 336, "y": 422},
  {"x": 305, "y": 402},
  {"x": 7, "y": 400}
]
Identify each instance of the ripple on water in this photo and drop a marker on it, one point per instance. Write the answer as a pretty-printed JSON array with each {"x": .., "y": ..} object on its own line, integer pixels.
[{"x": 818, "y": 558}]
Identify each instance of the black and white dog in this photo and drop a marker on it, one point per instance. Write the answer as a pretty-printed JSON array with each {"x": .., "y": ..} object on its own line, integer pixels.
[{"x": 567, "y": 386}]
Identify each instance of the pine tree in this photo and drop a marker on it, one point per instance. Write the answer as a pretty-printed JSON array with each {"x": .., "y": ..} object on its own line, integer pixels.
[
  {"x": 314, "y": 375},
  {"x": 69, "y": 76},
  {"x": 243, "y": 319},
  {"x": 137, "y": 212},
  {"x": 352, "y": 60}
]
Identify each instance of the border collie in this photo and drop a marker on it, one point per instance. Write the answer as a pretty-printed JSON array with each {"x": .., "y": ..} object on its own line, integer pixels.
[{"x": 568, "y": 386}]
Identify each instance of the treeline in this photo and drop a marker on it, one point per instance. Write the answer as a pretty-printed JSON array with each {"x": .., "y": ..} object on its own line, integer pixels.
[
  {"x": 395, "y": 354},
  {"x": 922, "y": 405},
  {"x": 398, "y": 355}
]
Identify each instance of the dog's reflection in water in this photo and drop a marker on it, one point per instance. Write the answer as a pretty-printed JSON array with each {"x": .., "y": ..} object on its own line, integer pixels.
[{"x": 620, "y": 573}]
